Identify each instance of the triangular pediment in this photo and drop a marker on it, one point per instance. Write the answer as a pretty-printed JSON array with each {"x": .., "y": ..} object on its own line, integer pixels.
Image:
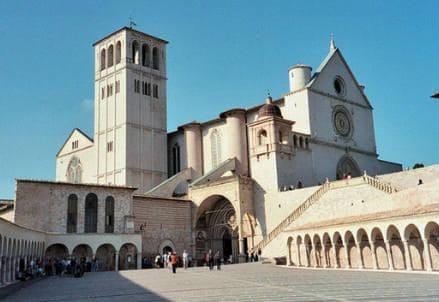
[
  {"x": 83, "y": 141},
  {"x": 333, "y": 67}
]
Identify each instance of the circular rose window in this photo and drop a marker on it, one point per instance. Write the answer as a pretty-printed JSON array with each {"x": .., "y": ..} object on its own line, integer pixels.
[{"x": 342, "y": 121}]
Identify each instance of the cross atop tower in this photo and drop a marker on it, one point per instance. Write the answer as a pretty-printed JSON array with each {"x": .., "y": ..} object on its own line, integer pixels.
[{"x": 132, "y": 23}]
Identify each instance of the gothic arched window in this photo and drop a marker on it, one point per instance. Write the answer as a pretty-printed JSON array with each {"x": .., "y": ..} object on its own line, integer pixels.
[
  {"x": 72, "y": 213},
  {"x": 118, "y": 52},
  {"x": 109, "y": 214},
  {"x": 110, "y": 56},
  {"x": 145, "y": 55},
  {"x": 91, "y": 213},
  {"x": 135, "y": 54},
  {"x": 215, "y": 146},
  {"x": 155, "y": 58},
  {"x": 102, "y": 59},
  {"x": 74, "y": 170}
]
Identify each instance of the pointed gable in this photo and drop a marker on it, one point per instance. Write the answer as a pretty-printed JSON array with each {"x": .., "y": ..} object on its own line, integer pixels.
[
  {"x": 334, "y": 67},
  {"x": 77, "y": 140}
]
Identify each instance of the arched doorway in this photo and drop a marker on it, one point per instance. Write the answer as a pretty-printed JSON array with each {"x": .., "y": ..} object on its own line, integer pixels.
[
  {"x": 56, "y": 251},
  {"x": 217, "y": 229},
  {"x": 105, "y": 257},
  {"x": 347, "y": 166},
  {"x": 128, "y": 257},
  {"x": 82, "y": 253}
]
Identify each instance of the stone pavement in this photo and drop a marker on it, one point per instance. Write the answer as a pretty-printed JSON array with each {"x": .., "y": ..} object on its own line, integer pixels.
[{"x": 241, "y": 282}]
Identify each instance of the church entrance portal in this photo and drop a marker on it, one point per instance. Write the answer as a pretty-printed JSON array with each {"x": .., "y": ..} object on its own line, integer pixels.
[
  {"x": 347, "y": 166},
  {"x": 217, "y": 229}
]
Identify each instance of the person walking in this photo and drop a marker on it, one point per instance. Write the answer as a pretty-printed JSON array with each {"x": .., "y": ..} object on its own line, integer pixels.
[
  {"x": 174, "y": 262},
  {"x": 217, "y": 259},
  {"x": 185, "y": 259}
]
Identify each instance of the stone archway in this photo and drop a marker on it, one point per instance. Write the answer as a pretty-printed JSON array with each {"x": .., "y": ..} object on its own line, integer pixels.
[
  {"x": 217, "y": 229},
  {"x": 415, "y": 248},
  {"x": 105, "y": 257},
  {"x": 365, "y": 249},
  {"x": 397, "y": 251},
  {"x": 82, "y": 253},
  {"x": 128, "y": 257},
  {"x": 56, "y": 251},
  {"x": 380, "y": 249},
  {"x": 347, "y": 166},
  {"x": 431, "y": 234}
]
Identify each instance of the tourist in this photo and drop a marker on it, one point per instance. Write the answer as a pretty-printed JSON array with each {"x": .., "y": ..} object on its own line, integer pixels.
[
  {"x": 94, "y": 264},
  {"x": 173, "y": 261},
  {"x": 299, "y": 184},
  {"x": 209, "y": 259},
  {"x": 420, "y": 182},
  {"x": 185, "y": 259},
  {"x": 217, "y": 259}
]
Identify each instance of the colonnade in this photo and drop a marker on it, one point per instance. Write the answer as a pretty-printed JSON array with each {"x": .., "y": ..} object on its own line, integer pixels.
[
  {"x": 16, "y": 254},
  {"x": 108, "y": 257},
  {"x": 411, "y": 247}
]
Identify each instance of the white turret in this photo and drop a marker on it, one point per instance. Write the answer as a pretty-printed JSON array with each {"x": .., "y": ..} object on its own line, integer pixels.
[{"x": 299, "y": 76}]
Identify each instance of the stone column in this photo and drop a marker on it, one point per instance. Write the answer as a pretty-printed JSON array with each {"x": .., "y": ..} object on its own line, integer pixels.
[
  {"x": 192, "y": 134},
  {"x": 299, "y": 261},
  {"x": 116, "y": 262},
  {"x": 348, "y": 263},
  {"x": 241, "y": 256},
  {"x": 389, "y": 256},
  {"x": 326, "y": 255},
  {"x": 427, "y": 255},
  {"x": 316, "y": 264},
  {"x": 408, "y": 260},
  {"x": 361, "y": 266},
  {"x": 374, "y": 257},
  {"x": 139, "y": 260},
  {"x": 2, "y": 266},
  {"x": 334, "y": 248}
]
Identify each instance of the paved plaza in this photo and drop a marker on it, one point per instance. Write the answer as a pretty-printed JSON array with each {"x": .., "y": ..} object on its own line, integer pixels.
[{"x": 243, "y": 282}]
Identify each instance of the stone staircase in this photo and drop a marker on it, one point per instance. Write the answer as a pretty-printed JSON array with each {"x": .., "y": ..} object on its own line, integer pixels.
[{"x": 313, "y": 198}]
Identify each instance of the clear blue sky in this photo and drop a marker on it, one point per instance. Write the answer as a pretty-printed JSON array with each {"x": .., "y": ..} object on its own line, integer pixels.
[{"x": 222, "y": 54}]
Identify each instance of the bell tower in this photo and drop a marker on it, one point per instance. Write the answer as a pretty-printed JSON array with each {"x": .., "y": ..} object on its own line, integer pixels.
[
  {"x": 271, "y": 149},
  {"x": 130, "y": 109}
]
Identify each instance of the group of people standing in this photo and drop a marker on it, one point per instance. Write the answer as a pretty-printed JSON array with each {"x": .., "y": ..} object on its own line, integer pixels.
[
  {"x": 213, "y": 259},
  {"x": 172, "y": 260}
]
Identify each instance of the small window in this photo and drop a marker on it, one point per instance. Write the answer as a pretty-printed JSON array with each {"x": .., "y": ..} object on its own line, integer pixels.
[
  {"x": 110, "y": 56},
  {"x": 145, "y": 55},
  {"x": 175, "y": 159},
  {"x": 339, "y": 86},
  {"x": 148, "y": 90},
  {"x": 118, "y": 52},
  {"x": 72, "y": 213},
  {"x": 102, "y": 59},
  {"x": 262, "y": 138},
  {"x": 75, "y": 144},
  {"x": 117, "y": 86},
  {"x": 110, "y": 147},
  {"x": 155, "y": 91},
  {"x": 109, "y": 214},
  {"x": 155, "y": 58},
  {"x": 102, "y": 93},
  {"x": 135, "y": 54}
]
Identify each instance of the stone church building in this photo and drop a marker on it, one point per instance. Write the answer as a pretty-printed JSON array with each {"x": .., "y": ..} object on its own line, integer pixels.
[{"x": 297, "y": 177}]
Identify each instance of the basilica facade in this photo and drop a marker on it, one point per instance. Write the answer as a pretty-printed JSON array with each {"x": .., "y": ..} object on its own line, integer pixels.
[{"x": 297, "y": 177}]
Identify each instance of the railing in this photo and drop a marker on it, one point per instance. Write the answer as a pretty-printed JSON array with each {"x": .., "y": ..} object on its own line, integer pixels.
[
  {"x": 365, "y": 179},
  {"x": 378, "y": 184},
  {"x": 293, "y": 216}
]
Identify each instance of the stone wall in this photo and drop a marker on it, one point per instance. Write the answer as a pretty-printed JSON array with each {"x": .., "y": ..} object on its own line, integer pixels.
[
  {"x": 42, "y": 205},
  {"x": 163, "y": 222}
]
